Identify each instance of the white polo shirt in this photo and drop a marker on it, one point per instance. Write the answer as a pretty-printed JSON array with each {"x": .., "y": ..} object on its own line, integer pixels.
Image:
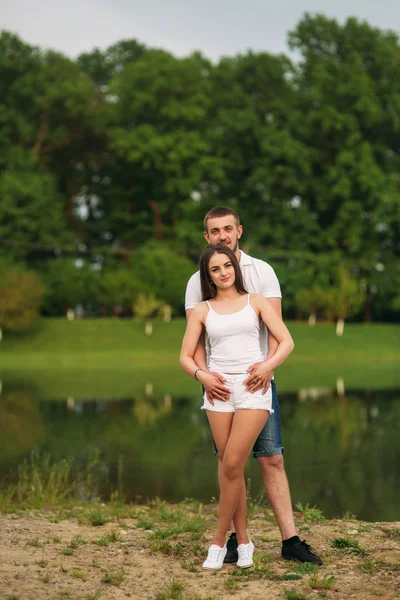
[{"x": 258, "y": 276}]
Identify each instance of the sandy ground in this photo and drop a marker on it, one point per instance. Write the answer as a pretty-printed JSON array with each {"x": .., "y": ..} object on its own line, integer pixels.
[{"x": 42, "y": 559}]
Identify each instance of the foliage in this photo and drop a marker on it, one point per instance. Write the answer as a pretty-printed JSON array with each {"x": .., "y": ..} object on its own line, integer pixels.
[
  {"x": 69, "y": 284},
  {"x": 313, "y": 301},
  {"x": 103, "y": 156},
  {"x": 146, "y": 306},
  {"x": 346, "y": 297},
  {"x": 20, "y": 296},
  {"x": 162, "y": 272}
]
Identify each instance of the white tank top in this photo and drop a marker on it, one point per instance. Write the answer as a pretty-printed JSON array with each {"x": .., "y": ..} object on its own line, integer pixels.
[{"x": 234, "y": 339}]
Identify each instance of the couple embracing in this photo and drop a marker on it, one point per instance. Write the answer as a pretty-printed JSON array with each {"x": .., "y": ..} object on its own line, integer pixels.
[{"x": 235, "y": 300}]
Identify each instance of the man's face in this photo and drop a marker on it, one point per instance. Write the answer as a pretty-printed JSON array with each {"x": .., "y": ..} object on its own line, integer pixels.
[{"x": 224, "y": 231}]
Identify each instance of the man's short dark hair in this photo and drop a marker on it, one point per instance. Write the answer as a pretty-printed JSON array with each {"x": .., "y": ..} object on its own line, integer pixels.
[{"x": 221, "y": 211}]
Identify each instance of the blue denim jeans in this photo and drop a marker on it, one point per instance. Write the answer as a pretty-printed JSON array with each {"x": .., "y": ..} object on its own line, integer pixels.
[{"x": 269, "y": 442}]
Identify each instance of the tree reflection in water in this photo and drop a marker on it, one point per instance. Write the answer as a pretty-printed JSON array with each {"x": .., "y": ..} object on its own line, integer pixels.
[{"x": 341, "y": 452}]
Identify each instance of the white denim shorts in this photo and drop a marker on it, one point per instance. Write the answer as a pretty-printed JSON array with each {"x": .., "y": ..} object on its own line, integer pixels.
[{"x": 240, "y": 397}]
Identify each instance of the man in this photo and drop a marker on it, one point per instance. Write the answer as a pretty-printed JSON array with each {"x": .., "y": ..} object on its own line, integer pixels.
[{"x": 222, "y": 226}]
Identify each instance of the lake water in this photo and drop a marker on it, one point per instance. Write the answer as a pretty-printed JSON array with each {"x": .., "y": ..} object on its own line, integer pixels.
[{"x": 342, "y": 452}]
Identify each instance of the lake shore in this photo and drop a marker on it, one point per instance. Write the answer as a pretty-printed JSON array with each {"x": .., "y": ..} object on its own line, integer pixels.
[
  {"x": 114, "y": 358},
  {"x": 155, "y": 552}
]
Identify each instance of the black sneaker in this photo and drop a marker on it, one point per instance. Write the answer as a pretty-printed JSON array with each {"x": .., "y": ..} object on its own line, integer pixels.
[
  {"x": 232, "y": 549},
  {"x": 301, "y": 552}
]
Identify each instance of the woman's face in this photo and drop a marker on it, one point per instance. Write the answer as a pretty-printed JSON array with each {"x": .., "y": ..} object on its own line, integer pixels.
[{"x": 221, "y": 270}]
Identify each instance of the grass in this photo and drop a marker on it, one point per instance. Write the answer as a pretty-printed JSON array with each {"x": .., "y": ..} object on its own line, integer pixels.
[
  {"x": 305, "y": 568},
  {"x": 79, "y": 574},
  {"x": 42, "y": 563},
  {"x": 392, "y": 533},
  {"x": 80, "y": 358},
  {"x": 368, "y": 567},
  {"x": 310, "y": 514},
  {"x": 97, "y": 517},
  {"x": 111, "y": 537},
  {"x": 114, "y": 577},
  {"x": 349, "y": 546},
  {"x": 35, "y": 543},
  {"x": 293, "y": 595},
  {"x": 321, "y": 583},
  {"x": 43, "y": 482}
]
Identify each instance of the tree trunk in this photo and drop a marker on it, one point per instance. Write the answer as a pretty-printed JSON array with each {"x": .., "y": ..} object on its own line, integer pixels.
[
  {"x": 340, "y": 326},
  {"x": 43, "y": 130},
  {"x": 158, "y": 226}
]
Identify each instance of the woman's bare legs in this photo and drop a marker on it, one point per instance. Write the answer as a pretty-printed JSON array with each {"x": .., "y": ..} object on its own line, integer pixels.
[
  {"x": 234, "y": 435},
  {"x": 239, "y": 518}
]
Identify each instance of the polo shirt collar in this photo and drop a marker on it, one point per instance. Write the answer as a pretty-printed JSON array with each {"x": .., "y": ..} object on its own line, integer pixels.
[{"x": 244, "y": 259}]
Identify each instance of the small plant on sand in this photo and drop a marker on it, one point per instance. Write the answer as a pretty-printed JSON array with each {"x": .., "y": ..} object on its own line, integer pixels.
[
  {"x": 101, "y": 541},
  {"x": 79, "y": 574},
  {"x": 97, "y": 517},
  {"x": 95, "y": 596},
  {"x": 310, "y": 514},
  {"x": 172, "y": 592},
  {"x": 55, "y": 539},
  {"x": 189, "y": 566},
  {"x": 36, "y": 543},
  {"x": 114, "y": 577},
  {"x": 113, "y": 536},
  {"x": 231, "y": 583},
  {"x": 350, "y": 546},
  {"x": 305, "y": 568},
  {"x": 368, "y": 567},
  {"x": 42, "y": 563},
  {"x": 325, "y": 583},
  {"x": 77, "y": 541},
  {"x": 293, "y": 595},
  {"x": 392, "y": 533},
  {"x": 68, "y": 551}
]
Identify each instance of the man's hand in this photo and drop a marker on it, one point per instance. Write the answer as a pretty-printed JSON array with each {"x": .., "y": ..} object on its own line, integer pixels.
[
  {"x": 213, "y": 384},
  {"x": 260, "y": 377}
]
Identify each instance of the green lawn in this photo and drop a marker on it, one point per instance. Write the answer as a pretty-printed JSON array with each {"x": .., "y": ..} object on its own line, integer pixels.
[{"x": 114, "y": 358}]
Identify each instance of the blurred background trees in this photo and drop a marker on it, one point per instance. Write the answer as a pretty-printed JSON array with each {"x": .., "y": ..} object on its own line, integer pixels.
[{"x": 108, "y": 164}]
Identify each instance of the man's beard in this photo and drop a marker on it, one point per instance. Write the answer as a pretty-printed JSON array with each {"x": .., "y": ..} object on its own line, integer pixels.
[{"x": 235, "y": 247}]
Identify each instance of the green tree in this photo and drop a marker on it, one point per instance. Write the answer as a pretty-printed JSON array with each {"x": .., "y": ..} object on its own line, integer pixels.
[
  {"x": 69, "y": 285},
  {"x": 119, "y": 289},
  {"x": 32, "y": 223},
  {"x": 158, "y": 119},
  {"x": 162, "y": 272},
  {"x": 349, "y": 98},
  {"x": 346, "y": 298},
  {"x": 20, "y": 295},
  {"x": 313, "y": 301}
]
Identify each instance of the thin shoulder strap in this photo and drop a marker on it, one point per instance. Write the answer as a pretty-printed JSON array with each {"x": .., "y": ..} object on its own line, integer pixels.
[
  {"x": 208, "y": 304},
  {"x": 248, "y": 298}
]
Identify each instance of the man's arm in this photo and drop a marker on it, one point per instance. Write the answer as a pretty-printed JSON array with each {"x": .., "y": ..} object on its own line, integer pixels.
[
  {"x": 276, "y": 304},
  {"x": 260, "y": 379}
]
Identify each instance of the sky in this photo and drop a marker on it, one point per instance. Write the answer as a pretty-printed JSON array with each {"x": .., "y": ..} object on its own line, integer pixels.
[{"x": 215, "y": 27}]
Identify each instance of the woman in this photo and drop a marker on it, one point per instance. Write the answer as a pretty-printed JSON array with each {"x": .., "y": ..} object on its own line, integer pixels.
[{"x": 231, "y": 318}]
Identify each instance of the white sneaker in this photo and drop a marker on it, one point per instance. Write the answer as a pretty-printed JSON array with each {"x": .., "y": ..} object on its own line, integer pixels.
[
  {"x": 215, "y": 558},
  {"x": 245, "y": 553}
]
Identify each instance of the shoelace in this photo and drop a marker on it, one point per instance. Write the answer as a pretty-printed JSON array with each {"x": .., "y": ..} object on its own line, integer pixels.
[
  {"x": 306, "y": 545},
  {"x": 214, "y": 553},
  {"x": 243, "y": 551}
]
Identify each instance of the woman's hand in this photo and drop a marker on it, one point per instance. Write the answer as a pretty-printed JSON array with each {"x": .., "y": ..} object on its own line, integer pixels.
[
  {"x": 261, "y": 374},
  {"x": 214, "y": 387}
]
